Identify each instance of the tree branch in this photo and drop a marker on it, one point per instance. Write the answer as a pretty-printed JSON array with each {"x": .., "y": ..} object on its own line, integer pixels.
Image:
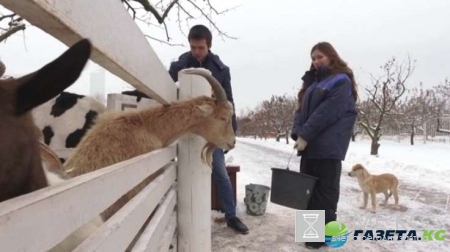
[
  {"x": 185, "y": 11},
  {"x": 221, "y": 12},
  {"x": 129, "y": 7},
  {"x": 11, "y": 31},
  {"x": 221, "y": 33},
  {"x": 7, "y": 16},
  {"x": 149, "y": 7},
  {"x": 367, "y": 129},
  {"x": 168, "y": 9}
]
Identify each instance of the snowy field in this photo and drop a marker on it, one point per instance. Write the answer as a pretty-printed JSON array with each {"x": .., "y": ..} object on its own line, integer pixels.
[{"x": 423, "y": 171}]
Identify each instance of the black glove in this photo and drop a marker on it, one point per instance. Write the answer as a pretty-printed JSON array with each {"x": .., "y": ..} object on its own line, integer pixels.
[
  {"x": 225, "y": 151},
  {"x": 309, "y": 77},
  {"x": 294, "y": 136}
]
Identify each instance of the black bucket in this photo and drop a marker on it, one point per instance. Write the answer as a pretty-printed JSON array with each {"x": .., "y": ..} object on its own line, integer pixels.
[{"x": 291, "y": 189}]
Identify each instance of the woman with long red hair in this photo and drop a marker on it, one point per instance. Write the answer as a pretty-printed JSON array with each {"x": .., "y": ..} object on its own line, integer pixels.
[{"x": 323, "y": 126}]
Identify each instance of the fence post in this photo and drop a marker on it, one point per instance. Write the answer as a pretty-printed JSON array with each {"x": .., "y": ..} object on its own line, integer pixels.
[{"x": 194, "y": 180}]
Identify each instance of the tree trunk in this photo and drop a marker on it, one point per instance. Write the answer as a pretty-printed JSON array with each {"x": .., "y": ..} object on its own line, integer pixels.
[
  {"x": 412, "y": 134},
  {"x": 354, "y": 136},
  {"x": 278, "y": 137},
  {"x": 287, "y": 137},
  {"x": 425, "y": 133},
  {"x": 374, "y": 147}
]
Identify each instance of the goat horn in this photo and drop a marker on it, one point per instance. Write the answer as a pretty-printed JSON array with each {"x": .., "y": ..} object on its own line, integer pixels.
[
  {"x": 219, "y": 92},
  {"x": 50, "y": 157},
  {"x": 2, "y": 68}
]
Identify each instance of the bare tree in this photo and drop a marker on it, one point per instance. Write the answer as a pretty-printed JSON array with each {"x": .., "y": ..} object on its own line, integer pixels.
[
  {"x": 418, "y": 109},
  {"x": 155, "y": 13},
  {"x": 273, "y": 112},
  {"x": 254, "y": 123},
  {"x": 260, "y": 124},
  {"x": 278, "y": 112},
  {"x": 243, "y": 125},
  {"x": 270, "y": 117},
  {"x": 384, "y": 93},
  {"x": 289, "y": 107},
  {"x": 443, "y": 90},
  {"x": 10, "y": 24},
  {"x": 357, "y": 129}
]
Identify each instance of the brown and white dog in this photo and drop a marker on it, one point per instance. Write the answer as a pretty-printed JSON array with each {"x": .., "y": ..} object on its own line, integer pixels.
[{"x": 374, "y": 184}]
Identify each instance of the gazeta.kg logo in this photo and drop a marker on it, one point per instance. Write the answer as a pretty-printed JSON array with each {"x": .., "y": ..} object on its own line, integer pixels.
[{"x": 335, "y": 234}]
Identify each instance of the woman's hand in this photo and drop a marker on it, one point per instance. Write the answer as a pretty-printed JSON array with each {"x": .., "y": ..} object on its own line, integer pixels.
[{"x": 300, "y": 144}]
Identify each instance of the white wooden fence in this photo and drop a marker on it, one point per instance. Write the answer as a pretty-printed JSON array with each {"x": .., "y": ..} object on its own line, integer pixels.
[{"x": 176, "y": 203}]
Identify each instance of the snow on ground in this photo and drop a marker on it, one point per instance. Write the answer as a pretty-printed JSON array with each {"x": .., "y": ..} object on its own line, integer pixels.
[{"x": 423, "y": 171}]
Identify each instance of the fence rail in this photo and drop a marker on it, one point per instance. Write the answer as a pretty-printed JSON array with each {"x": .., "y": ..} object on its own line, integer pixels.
[
  {"x": 177, "y": 202},
  {"x": 119, "y": 45}
]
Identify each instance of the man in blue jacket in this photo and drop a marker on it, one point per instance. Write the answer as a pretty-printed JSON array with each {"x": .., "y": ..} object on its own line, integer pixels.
[{"x": 200, "y": 56}]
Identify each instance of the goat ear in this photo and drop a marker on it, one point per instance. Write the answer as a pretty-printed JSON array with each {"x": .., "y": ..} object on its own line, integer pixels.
[
  {"x": 49, "y": 81},
  {"x": 204, "y": 110}
]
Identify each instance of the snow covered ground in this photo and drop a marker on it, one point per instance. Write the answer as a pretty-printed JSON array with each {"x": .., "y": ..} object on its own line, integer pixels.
[{"x": 423, "y": 171}]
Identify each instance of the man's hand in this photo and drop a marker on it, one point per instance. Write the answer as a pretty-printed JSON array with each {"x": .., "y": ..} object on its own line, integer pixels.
[
  {"x": 300, "y": 144},
  {"x": 225, "y": 151}
]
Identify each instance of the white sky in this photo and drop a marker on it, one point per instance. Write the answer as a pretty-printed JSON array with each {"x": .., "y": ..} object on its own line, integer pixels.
[{"x": 275, "y": 38}]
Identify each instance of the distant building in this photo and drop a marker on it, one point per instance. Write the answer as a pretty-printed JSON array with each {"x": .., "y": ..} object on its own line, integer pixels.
[{"x": 98, "y": 85}]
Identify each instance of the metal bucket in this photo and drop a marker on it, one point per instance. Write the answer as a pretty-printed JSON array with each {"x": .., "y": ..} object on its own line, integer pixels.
[
  {"x": 256, "y": 197},
  {"x": 291, "y": 189}
]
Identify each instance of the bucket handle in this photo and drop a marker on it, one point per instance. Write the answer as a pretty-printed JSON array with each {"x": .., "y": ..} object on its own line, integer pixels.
[{"x": 287, "y": 167}]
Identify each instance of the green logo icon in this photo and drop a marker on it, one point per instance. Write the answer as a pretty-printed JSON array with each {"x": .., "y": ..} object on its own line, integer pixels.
[{"x": 336, "y": 234}]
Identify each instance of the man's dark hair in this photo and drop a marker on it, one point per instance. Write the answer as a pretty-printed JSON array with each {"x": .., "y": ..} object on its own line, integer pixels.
[{"x": 198, "y": 32}]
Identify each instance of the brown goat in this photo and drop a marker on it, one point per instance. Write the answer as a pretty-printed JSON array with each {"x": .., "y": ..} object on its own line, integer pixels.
[
  {"x": 21, "y": 170},
  {"x": 118, "y": 136}
]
